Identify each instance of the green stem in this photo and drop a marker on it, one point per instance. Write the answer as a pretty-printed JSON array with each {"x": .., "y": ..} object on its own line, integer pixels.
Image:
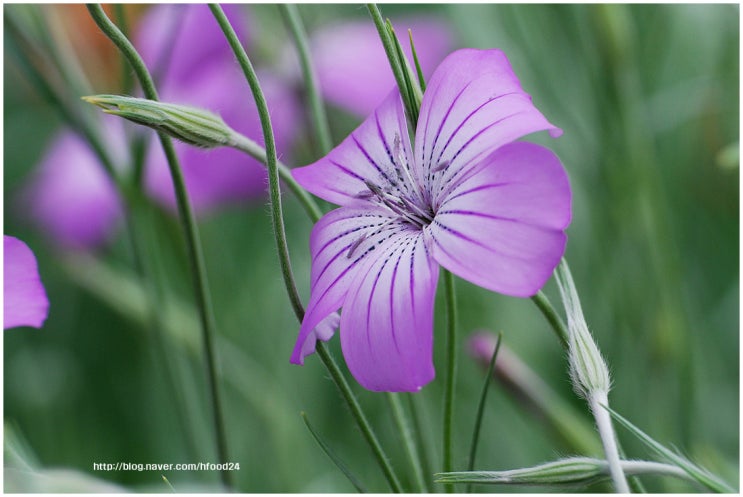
[
  {"x": 398, "y": 413},
  {"x": 425, "y": 450},
  {"x": 395, "y": 63},
  {"x": 277, "y": 216},
  {"x": 544, "y": 305},
  {"x": 127, "y": 82},
  {"x": 317, "y": 109},
  {"x": 331, "y": 455},
  {"x": 358, "y": 414},
  {"x": 536, "y": 398},
  {"x": 254, "y": 150},
  {"x": 196, "y": 257},
  {"x": 481, "y": 410},
  {"x": 451, "y": 371},
  {"x": 324, "y": 355}
]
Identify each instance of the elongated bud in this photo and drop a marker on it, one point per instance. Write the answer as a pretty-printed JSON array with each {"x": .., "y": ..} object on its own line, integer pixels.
[
  {"x": 588, "y": 369},
  {"x": 189, "y": 124},
  {"x": 569, "y": 471}
]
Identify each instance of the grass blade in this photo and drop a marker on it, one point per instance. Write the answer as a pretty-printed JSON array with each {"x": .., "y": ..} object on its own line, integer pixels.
[{"x": 336, "y": 460}]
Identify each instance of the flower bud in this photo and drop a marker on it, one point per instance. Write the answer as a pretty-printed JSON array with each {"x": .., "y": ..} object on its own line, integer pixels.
[
  {"x": 569, "y": 471},
  {"x": 588, "y": 369},
  {"x": 189, "y": 124}
]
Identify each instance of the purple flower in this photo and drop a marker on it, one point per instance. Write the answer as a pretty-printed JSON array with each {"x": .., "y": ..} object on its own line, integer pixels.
[
  {"x": 202, "y": 72},
  {"x": 70, "y": 196},
  {"x": 352, "y": 66},
  {"x": 25, "y": 301},
  {"x": 464, "y": 196}
]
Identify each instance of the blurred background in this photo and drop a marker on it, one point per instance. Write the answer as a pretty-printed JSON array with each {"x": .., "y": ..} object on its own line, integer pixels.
[{"x": 648, "y": 98}]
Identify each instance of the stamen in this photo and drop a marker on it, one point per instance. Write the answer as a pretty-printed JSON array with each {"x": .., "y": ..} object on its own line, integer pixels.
[
  {"x": 442, "y": 165},
  {"x": 405, "y": 166},
  {"x": 399, "y": 205},
  {"x": 356, "y": 244}
]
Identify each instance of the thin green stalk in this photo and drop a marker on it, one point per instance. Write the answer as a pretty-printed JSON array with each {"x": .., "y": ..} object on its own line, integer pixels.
[
  {"x": 418, "y": 70},
  {"x": 395, "y": 62},
  {"x": 552, "y": 317},
  {"x": 481, "y": 410},
  {"x": 274, "y": 191},
  {"x": 331, "y": 455},
  {"x": 278, "y": 226},
  {"x": 127, "y": 81},
  {"x": 398, "y": 414},
  {"x": 317, "y": 109},
  {"x": 78, "y": 125},
  {"x": 538, "y": 399},
  {"x": 358, "y": 414},
  {"x": 196, "y": 257},
  {"x": 138, "y": 141},
  {"x": 257, "y": 152},
  {"x": 425, "y": 451},
  {"x": 451, "y": 371}
]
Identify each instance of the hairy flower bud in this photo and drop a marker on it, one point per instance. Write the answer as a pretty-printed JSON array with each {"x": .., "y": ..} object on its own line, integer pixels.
[
  {"x": 587, "y": 367},
  {"x": 189, "y": 124}
]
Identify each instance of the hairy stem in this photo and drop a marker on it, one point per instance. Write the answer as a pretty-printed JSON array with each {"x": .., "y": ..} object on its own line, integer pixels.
[
  {"x": 403, "y": 427},
  {"x": 281, "y": 242},
  {"x": 274, "y": 191},
  {"x": 195, "y": 252},
  {"x": 597, "y": 400},
  {"x": 544, "y": 305},
  {"x": 451, "y": 371},
  {"x": 254, "y": 150}
]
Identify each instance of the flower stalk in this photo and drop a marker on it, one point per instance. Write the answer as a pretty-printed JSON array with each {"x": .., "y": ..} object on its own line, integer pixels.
[
  {"x": 195, "y": 252},
  {"x": 589, "y": 373},
  {"x": 197, "y": 127},
  {"x": 451, "y": 371},
  {"x": 277, "y": 216}
]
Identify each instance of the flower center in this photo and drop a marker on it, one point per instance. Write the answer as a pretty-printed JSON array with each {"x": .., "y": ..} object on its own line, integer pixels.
[{"x": 402, "y": 206}]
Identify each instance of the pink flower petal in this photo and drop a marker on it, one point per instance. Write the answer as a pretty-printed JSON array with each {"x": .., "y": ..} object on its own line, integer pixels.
[
  {"x": 335, "y": 236},
  {"x": 473, "y": 104},
  {"x": 387, "y": 319},
  {"x": 25, "y": 301},
  {"x": 352, "y": 66},
  {"x": 377, "y": 151},
  {"x": 502, "y": 228}
]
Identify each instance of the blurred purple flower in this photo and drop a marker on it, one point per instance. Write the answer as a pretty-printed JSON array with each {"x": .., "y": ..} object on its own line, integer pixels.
[
  {"x": 25, "y": 302},
  {"x": 70, "y": 196},
  {"x": 352, "y": 66},
  {"x": 464, "y": 196},
  {"x": 74, "y": 201},
  {"x": 202, "y": 72}
]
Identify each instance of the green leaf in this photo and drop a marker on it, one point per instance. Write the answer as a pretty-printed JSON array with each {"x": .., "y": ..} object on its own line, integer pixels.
[
  {"x": 699, "y": 474},
  {"x": 328, "y": 452},
  {"x": 481, "y": 405}
]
